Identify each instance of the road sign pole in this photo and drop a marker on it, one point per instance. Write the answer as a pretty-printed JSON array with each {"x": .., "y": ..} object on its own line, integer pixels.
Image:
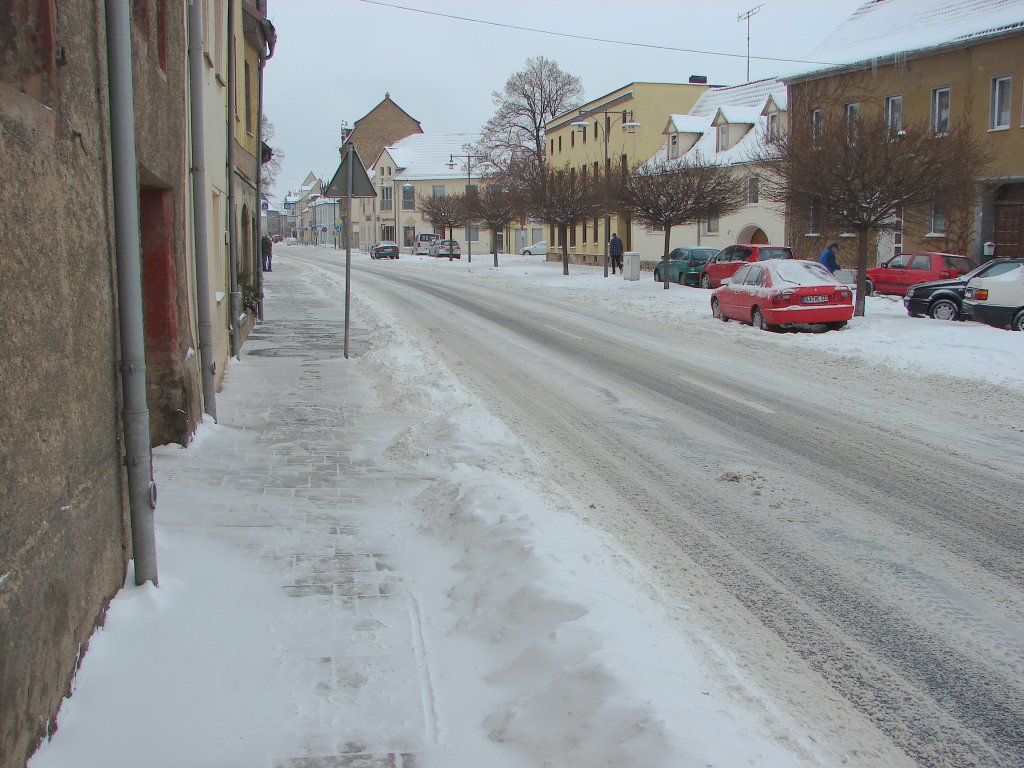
[{"x": 348, "y": 245}]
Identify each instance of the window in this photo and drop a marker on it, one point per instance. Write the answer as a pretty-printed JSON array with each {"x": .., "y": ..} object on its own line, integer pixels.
[
  {"x": 387, "y": 232},
  {"x": 755, "y": 277},
  {"x": 814, "y": 218},
  {"x": 817, "y": 123},
  {"x": 722, "y": 141},
  {"x": 572, "y": 138},
  {"x": 385, "y": 198},
  {"x": 712, "y": 225},
  {"x": 559, "y": 143},
  {"x": 408, "y": 197},
  {"x": 851, "y": 116},
  {"x": 584, "y": 132},
  {"x": 673, "y": 146},
  {"x": 595, "y": 229},
  {"x": 940, "y": 111},
  {"x": 894, "y": 113},
  {"x": 408, "y": 236},
  {"x": 938, "y": 218},
  {"x": 773, "y": 126},
  {"x": 1001, "y": 96},
  {"x": 472, "y": 233},
  {"x": 921, "y": 262},
  {"x": 248, "y": 98},
  {"x": 752, "y": 190},
  {"x": 437, "y": 190},
  {"x": 552, "y": 146}
]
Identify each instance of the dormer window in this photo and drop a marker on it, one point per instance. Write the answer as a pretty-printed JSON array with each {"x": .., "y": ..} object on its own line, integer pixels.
[
  {"x": 722, "y": 142},
  {"x": 772, "y": 127},
  {"x": 673, "y": 146}
]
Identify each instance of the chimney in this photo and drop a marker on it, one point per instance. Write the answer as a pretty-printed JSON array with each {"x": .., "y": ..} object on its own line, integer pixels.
[{"x": 698, "y": 79}]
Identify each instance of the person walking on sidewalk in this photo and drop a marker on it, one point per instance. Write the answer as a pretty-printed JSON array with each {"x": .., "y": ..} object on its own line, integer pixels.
[
  {"x": 267, "y": 248},
  {"x": 615, "y": 251}
]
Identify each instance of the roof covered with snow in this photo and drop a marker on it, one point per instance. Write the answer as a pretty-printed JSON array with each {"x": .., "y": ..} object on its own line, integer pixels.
[
  {"x": 883, "y": 28},
  {"x": 426, "y": 156},
  {"x": 752, "y": 95},
  {"x": 727, "y": 113},
  {"x": 688, "y": 124}
]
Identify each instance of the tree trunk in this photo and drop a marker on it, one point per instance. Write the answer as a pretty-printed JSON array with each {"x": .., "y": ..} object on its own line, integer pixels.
[
  {"x": 664, "y": 262},
  {"x": 494, "y": 244},
  {"x": 451, "y": 242},
  {"x": 862, "y": 269},
  {"x": 563, "y": 232}
]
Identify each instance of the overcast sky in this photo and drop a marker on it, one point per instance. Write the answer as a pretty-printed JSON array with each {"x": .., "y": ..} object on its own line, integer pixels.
[{"x": 335, "y": 59}]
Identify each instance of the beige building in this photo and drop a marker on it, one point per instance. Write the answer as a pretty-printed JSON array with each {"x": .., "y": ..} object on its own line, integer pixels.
[
  {"x": 728, "y": 126},
  {"x": 899, "y": 62},
  {"x": 624, "y": 127},
  {"x": 422, "y": 165}
]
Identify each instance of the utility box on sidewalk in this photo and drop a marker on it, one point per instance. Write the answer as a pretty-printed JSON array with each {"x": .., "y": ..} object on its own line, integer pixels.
[{"x": 631, "y": 265}]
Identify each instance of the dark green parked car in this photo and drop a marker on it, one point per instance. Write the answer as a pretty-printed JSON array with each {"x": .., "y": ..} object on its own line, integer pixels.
[{"x": 684, "y": 265}]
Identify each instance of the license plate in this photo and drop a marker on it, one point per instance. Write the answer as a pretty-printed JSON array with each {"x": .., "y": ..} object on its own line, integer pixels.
[{"x": 814, "y": 299}]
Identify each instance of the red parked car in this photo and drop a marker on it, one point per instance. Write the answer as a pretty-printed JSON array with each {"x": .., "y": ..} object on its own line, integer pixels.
[
  {"x": 784, "y": 293},
  {"x": 724, "y": 264},
  {"x": 912, "y": 267}
]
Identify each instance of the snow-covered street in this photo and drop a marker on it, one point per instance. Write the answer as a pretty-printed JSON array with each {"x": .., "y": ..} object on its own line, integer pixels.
[{"x": 537, "y": 520}]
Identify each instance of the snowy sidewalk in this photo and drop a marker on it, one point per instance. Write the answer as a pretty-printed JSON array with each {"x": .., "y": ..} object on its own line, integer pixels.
[{"x": 362, "y": 568}]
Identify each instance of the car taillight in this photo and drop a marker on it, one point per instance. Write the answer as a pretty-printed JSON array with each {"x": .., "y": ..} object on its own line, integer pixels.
[
  {"x": 692, "y": 264},
  {"x": 844, "y": 294},
  {"x": 944, "y": 274},
  {"x": 783, "y": 297}
]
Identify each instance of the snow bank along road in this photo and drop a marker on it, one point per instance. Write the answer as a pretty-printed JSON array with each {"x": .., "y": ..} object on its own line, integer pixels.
[{"x": 850, "y": 533}]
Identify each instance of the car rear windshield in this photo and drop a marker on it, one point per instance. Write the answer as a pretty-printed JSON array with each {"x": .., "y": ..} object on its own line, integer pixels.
[
  {"x": 805, "y": 273},
  {"x": 958, "y": 262},
  {"x": 774, "y": 253},
  {"x": 702, "y": 254}
]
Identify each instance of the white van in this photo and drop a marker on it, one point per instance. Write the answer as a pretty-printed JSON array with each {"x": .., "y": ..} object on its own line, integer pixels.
[{"x": 423, "y": 241}]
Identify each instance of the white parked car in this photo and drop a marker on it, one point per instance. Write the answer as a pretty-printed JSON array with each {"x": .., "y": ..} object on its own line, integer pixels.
[
  {"x": 445, "y": 249},
  {"x": 540, "y": 248},
  {"x": 423, "y": 242},
  {"x": 997, "y": 300}
]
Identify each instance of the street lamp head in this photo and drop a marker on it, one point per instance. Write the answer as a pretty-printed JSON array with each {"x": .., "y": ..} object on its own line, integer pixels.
[
  {"x": 580, "y": 125},
  {"x": 632, "y": 125}
]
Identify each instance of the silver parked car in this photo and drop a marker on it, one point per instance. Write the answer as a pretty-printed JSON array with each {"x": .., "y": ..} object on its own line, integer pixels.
[
  {"x": 445, "y": 249},
  {"x": 540, "y": 248}
]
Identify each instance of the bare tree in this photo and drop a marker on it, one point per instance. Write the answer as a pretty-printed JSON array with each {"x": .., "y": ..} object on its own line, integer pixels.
[
  {"x": 669, "y": 193},
  {"x": 861, "y": 176},
  {"x": 270, "y": 170},
  {"x": 530, "y": 99},
  {"x": 496, "y": 207},
  {"x": 561, "y": 197},
  {"x": 444, "y": 211}
]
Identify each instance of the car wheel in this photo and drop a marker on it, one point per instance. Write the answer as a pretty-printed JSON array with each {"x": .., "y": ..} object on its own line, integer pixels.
[
  {"x": 680, "y": 279},
  {"x": 705, "y": 282},
  {"x": 657, "y": 276},
  {"x": 836, "y": 326},
  {"x": 757, "y": 320},
  {"x": 527, "y": 253},
  {"x": 1018, "y": 322},
  {"x": 716, "y": 311},
  {"x": 944, "y": 309},
  {"x": 869, "y": 288}
]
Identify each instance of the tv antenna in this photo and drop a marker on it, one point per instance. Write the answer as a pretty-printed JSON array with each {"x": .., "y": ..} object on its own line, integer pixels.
[{"x": 746, "y": 17}]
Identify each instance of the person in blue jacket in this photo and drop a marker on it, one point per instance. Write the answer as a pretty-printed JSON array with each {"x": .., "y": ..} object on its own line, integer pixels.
[
  {"x": 615, "y": 251},
  {"x": 828, "y": 258}
]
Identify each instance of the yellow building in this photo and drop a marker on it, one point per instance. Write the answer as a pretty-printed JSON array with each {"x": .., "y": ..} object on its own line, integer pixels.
[
  {"x": 901, "y": 63},
  {"x": 622, "y": 127}
]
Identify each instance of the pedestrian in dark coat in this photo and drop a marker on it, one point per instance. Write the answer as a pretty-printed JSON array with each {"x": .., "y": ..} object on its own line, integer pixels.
[
  {"x": 828, "y": 258},
  {"x": 615, "y": 251},
  {"x": 267, "y": 248}
]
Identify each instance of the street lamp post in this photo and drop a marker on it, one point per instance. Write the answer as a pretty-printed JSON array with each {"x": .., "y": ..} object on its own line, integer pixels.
[
  {"x": 469, "y": 178},
  {"x": 628, "y": 124}
]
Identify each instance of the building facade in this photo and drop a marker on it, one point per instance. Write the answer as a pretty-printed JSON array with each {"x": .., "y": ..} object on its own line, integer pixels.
[
  {"x": 620, "y": 129},
  {"x": 970, "y": 68}
]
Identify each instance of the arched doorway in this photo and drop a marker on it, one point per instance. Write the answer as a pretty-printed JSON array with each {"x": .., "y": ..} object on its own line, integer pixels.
[{"x": 752, "y": 234}]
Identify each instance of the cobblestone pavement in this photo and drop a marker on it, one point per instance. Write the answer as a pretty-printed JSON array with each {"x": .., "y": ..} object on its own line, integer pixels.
[{"x": 285, "y": 479}]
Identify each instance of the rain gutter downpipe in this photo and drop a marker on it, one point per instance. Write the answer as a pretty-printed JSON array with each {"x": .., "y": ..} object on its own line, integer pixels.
[
  {"x": 135, "y": 415},
  {"x": 200, "y": 230},
  {"x": 236, "y": 296}
]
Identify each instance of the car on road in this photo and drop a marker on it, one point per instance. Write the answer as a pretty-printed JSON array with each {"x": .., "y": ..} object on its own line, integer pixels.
[
  {"x": 445, "y": 249},
  {"x": 997, "y": 299},
  {"x": 943, "y": 299},
  {"x": 384, "y": 250},
  {"x": 727, "y": 261},
  {"x": 784, "y": 293},
  {"x": 905, "y": 269},
  {"x": 423, "y": 241},
  {"x": 540, "y": 248},
  {"x": 684, "y": 265}
]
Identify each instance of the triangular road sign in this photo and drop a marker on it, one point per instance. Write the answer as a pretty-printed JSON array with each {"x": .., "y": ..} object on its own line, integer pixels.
[{"x": 361, "y": 186}]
